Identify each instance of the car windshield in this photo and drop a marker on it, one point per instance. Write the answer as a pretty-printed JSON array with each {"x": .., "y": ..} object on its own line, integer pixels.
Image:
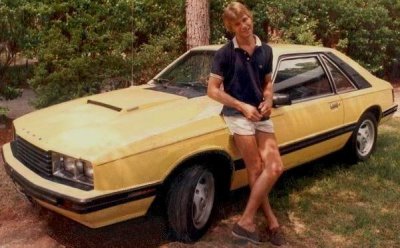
[{"x": 187, "y": 77}]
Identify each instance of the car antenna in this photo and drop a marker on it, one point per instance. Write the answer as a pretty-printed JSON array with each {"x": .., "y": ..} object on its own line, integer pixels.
[{"x": 132, "y": 6}]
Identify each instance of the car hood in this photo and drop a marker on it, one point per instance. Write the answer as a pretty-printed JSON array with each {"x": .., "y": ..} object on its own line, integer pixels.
[{"x": 109, "y": 123}]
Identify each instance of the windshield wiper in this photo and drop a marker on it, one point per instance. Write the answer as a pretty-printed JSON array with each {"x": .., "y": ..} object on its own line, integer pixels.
[
  {"x": 162, "y": 81},
  {"x": 192, "y": 84},
  {"x": 166, "y": 82}
]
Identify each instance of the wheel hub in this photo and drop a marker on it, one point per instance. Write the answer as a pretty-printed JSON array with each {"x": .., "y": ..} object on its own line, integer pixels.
[
  {"x": 203, "y": 200},
  {"x": 365, "y": 137}
]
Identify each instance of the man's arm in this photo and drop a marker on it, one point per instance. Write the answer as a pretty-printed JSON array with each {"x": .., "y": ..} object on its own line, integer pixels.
[
  {"x": 215, "y": 92},
  {"x": 265, "y": 106}
]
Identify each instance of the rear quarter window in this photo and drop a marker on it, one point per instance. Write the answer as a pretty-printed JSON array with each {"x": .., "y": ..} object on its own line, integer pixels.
[
  {"x": 341, "y": 81},
  {"x": 354, "y": 76}
]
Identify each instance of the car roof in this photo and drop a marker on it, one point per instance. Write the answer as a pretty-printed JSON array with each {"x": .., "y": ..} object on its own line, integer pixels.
[
  {"x": 277, "y": 49},
  {"x": 293, "y": 49}
]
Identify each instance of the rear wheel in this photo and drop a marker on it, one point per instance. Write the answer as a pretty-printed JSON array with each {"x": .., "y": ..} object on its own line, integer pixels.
[
  {"x": 190, "y": 203},
  {"x": 363, "y": 140}
]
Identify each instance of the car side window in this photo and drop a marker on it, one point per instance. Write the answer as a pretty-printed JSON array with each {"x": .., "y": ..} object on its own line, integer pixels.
[
  {"x": 342, "y": 83},
  {"x": 301, "y": 78}
]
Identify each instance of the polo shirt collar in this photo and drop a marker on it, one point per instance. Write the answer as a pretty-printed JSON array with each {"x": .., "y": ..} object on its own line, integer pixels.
[{"x": 236, "y": 44}]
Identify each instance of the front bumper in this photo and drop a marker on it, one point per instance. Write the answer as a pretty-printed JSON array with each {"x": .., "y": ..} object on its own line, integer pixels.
[{"x": 92, "y": 208}]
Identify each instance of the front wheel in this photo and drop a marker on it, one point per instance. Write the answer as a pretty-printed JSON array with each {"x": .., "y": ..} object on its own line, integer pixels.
[
  {"x": 363, "y": 140},
  {"x": 190, "y": 203}
]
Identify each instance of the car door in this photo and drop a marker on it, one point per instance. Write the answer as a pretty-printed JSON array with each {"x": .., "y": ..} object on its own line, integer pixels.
[{"x": 311, "y": 126}]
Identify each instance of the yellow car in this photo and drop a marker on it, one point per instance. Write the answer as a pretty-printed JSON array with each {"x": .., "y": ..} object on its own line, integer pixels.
[{"x": 105, "y": 158}]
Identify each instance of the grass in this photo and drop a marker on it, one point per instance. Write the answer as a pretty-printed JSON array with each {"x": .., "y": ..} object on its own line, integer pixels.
[
  {"x": 329, "y": 203},
  {"x": 326, "y": 203}
]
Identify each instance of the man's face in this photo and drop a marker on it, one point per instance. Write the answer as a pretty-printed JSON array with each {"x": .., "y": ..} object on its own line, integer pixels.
[{"x": 243, "y": 26}]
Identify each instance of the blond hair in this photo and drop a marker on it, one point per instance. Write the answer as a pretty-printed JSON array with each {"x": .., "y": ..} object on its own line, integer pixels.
[{"x": 233, "y": 12}]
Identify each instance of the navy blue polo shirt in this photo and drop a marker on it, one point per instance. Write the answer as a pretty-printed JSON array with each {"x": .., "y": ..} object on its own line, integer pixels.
[{"x": 243, "y": 75}]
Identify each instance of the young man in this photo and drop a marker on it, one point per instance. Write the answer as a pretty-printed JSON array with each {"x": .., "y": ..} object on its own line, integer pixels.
[{"x": 243, "y": 67}]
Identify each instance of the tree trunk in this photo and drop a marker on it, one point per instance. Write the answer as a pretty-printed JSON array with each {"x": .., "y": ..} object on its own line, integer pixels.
[{"x": 197, "y": 23}]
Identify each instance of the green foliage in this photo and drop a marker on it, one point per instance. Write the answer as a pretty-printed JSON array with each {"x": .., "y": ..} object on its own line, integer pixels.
[
  {"x": 83, "y": 45},
  {"x": 79, "y": 45},
  {"x": 3, "y": 116},
  {"x": 3, "y": 112},
  {"x": 366, "y": 30},
  {"x": 152, "y": 57},
  {"x": 14, "y": 78},
  {"x": 13, "y": 25},
  {"x": 9, "y": 92},
  {"x": 159, "y": 36}
]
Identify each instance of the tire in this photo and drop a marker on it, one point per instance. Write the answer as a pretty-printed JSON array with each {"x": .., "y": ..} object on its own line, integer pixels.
[
  {"x": 363, "y": 140},
  {"x": 190, "y": 202}
]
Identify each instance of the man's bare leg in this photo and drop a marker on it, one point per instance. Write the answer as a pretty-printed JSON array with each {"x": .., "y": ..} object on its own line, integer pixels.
[
  {"x": 247, "y": 146},
  {"x": 269, "y": 152},
  {"x": 260, "y": 160}
]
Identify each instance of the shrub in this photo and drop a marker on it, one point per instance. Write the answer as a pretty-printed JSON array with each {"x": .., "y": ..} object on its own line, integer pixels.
[
  {"x": 3, "y": 113},
  {"x": 84, "y": 46}
]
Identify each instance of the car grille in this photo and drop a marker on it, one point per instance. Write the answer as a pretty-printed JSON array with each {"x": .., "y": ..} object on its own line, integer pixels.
[{"x": 32, "y": 157}]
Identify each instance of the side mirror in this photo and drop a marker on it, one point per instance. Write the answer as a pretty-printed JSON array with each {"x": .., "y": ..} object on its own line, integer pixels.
[{"x": 281, "y": 100}]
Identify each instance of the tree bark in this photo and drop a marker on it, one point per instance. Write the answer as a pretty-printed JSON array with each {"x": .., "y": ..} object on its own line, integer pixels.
[{"x": 197, "y": 23}]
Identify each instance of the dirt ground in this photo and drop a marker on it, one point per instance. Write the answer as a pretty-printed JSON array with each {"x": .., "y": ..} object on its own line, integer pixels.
[{"x": 23, "y": 224}]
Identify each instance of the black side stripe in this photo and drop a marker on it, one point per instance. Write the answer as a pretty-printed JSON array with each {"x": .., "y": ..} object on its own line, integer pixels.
[
  {"x": 389, "y": 111},
  {"x": 317, "y": 139},
  {"x": 239, "y": 164},
  {"x": 116, "y": 199}
]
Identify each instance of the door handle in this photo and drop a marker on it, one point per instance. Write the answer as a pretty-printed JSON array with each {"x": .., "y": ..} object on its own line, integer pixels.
[{"x": 334, "y": 105}]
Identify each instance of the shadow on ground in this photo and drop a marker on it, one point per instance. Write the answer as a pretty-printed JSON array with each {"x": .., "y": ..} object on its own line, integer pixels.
[
  {"x": 152, "y": 230},
  {"x": 24, "y": 224}
]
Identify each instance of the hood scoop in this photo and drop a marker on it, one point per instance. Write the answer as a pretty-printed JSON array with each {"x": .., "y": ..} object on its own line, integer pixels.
[
  {"x": 105, "y": 105},
  {"x": 131, "y": 99}
]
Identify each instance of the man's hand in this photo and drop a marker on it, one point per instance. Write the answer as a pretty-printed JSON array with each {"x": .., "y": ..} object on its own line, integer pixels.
[
  {"x": 251, "y": 112},
  {"x": 265, "y": 108}
]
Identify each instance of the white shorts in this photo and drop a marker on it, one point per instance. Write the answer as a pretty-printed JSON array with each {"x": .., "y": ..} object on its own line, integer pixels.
[{"x": 242, "y": 126}]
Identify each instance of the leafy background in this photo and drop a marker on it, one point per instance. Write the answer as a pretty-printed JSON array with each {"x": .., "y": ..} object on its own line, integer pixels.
[{"x": 81, "y": 47}]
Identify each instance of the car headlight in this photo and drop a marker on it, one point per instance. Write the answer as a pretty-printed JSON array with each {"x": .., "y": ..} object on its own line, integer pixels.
[{"x": 73, "y": 169}]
